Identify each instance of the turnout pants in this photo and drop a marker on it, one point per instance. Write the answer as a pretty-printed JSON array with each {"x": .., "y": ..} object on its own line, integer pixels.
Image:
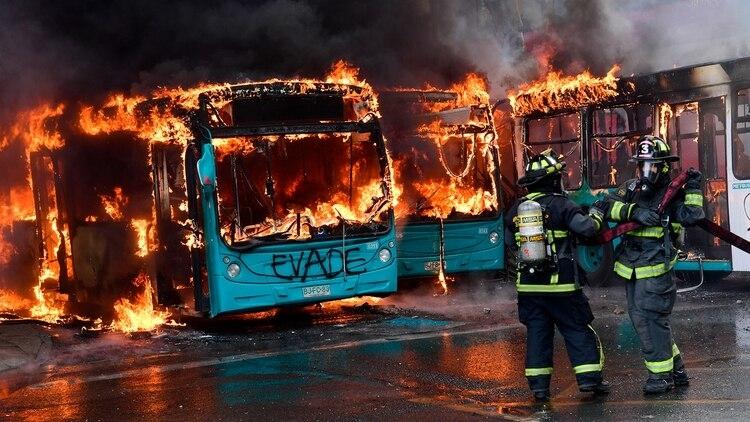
[
  {"x": 650, "y": 303},
  {"x": 572, "y": 316}
]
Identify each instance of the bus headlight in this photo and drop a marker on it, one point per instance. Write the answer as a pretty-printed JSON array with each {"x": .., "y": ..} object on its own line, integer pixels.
[
  {"x": 494, "y": 237},
  {"x": 384, "y": 255},
  {"x": 233, "y": 270}
]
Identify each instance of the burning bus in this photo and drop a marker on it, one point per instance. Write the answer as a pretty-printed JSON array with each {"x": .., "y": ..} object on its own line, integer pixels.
[
  {"x": 236, "y": 197},
  {"x": 702, "y": 111},
  {"x": 289, "y": 183},
  {"x": 446, "y": 166}
]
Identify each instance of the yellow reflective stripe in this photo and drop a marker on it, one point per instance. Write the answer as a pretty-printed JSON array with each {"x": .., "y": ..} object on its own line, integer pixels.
[
  {"x": 599, "y": 344},
  {"x": 536, "y": 165},
  {"x": 661, "y": 366},
  {"x": 654, "y": 270},
  {"x": 614, "y": 212},
  {"x": 623, "y": 270},
  {"x": 546, "y": 288},
  {"x": 591, "y": 367},
  {"x": 676, "y": 228},
  {"x": 534, "y": 195},
  {"x": 554, "y": 279},
  {"x": 643, "y": 272},
  {"x": 533, "y": 372},
  {"x": 647, "y": 232},
  {"x": 694, "y": 199},
  {"x": 558, "y": 233},
  {"x": 675, "y": 350},
  {"x": 554, "y": 168}
]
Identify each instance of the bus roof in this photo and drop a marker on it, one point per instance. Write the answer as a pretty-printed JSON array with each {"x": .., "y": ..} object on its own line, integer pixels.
[{"x": 638, "y": 87}]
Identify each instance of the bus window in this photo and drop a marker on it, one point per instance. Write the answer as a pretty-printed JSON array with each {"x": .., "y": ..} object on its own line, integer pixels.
[
  {"x": 561, "y": 133},
  {"x": 266, "y": 192},
  {"x": 741, "y": 141},
  {"x": 425, "y": 166},
  {"x": 682, "y": 135},
  {"x": 616, "y": 130}
]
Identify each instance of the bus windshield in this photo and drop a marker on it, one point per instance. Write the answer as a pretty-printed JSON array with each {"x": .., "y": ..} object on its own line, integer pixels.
[
  {"x": 448, "y": 178},
  {"x": 616, "y": 130},
  {"x": 561, "y": 133},
  {"x": 300, "y": 187}
]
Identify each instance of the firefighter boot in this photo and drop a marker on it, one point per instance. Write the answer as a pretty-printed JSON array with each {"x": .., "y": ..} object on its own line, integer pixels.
[
  {"x": 658, "y": 383},
  {"x": 598, "y": 388},
  {"x": 679, "y": 375}
]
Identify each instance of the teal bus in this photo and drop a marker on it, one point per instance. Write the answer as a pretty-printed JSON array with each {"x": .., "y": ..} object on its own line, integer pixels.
[
  {"x": 702, "y": 111},
  {"x": 446, "y": 170},
  {"x": 288, "y": 185}
]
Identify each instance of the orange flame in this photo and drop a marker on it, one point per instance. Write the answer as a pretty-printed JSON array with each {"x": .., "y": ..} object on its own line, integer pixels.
[
  {"x": 439, "y": 195},
  {"x": 144, "y": 236},
  {"x": 10, "y": 301},
  {"x": 558, "y": 92},
  {"x": 114, "y": 204},
  {"x": 138, "y": 315}
]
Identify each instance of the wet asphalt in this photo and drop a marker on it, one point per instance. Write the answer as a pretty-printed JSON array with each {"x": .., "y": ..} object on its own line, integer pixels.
[{"x": 458, "y": 357}]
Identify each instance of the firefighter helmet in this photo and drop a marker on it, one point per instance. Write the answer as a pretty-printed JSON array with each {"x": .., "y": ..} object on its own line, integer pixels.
[
  {"x": 653, "y": 157},
  {"x": 653, "y": 148},
  {"x": 542, "y": 166}
]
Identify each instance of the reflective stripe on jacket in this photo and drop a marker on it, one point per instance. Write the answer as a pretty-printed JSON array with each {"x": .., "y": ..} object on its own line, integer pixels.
[
  {"x": 565, "y": 217},
  {"x": 642, "y": 252}
]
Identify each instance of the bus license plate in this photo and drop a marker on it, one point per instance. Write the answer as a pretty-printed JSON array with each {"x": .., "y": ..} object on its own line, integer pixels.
[
  {"x": 432, "y": 266},
  {"x": 316, "y": 291}
]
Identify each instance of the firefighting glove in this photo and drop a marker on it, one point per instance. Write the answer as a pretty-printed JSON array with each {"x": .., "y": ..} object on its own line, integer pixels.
[
  {"x": 645, "y": 216},
  {"x": 597, "y": 212},
  {"x": 694, "y": 180}
]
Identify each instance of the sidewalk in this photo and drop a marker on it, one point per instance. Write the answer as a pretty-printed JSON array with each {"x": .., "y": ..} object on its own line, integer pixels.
[{"x": 23, "y": 344}]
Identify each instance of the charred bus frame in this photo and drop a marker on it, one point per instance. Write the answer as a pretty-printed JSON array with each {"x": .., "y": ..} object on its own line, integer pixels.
[{"x": 467, "y": 244}]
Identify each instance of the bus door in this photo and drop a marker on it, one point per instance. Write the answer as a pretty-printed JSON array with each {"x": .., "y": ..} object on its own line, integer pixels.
[
  {"x": 739, "y": 192},
  {"x": 696, "y": 132}
]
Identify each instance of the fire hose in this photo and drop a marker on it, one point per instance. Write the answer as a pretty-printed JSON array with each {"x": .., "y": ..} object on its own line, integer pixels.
[
  {"x": 709, "y": 226},
  {"x": 672, "y": 190}
]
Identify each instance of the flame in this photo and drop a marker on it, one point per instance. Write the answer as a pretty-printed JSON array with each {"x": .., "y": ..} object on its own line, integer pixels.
[
  {"x": 138, "y": 315},
  {"x": 557, "y": 92},
  {"x": 35, "y": 130},
  {"x": 144, "y": 236},
  {"x": 152, "y": 122},
  {"x": 665, "y": 113},
  {"x": 156, "y": 118},
  {"x": 31, "y": 128},
  {"x": 438, "y": 194},
  {"x": 114, "y": 204},
  {"x": 49, "y": 305},
  {"x": 11, "y": 301}
]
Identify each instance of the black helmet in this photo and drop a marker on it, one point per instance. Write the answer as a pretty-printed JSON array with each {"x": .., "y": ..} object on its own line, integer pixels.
[
  {"x": 542, "y": 166},
  {"x": 653, "y": 148},
  {"x": 653, "y": 157}
]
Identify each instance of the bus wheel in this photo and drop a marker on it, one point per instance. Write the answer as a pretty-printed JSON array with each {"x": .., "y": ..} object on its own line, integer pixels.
[{"x": 598, "y": 263}]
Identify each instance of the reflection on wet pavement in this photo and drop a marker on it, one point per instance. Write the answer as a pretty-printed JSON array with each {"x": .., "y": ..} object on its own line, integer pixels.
[{"x": 399, "y": 367}]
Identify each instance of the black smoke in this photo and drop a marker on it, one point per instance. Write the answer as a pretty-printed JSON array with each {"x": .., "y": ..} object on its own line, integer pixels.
[{"x": 80, "y": 51}]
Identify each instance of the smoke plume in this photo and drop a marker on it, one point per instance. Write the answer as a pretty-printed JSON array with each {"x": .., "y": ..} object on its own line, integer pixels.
[{"x": 81, "y": 51}]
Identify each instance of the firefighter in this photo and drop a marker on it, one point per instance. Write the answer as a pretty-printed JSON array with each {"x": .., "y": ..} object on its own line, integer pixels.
[
  {"x": 542, "y": 227},
  {"x": 646, "y": 256}
]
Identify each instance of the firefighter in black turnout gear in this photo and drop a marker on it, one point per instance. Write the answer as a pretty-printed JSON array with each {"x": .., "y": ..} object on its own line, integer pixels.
[
  {"x": 542, "y": 227},
  {"x": 646, "y": 256}
]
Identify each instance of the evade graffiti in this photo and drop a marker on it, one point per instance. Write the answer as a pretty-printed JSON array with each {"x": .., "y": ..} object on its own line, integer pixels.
[{"x": 331, "y": 263}]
